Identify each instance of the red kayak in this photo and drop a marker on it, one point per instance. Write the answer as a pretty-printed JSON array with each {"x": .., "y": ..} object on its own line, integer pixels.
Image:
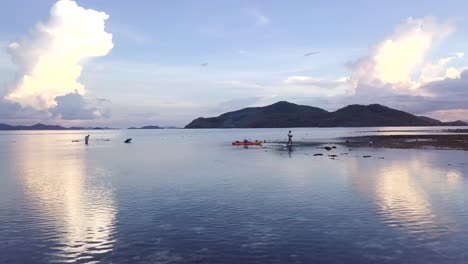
[{"x": 241, "y": 143}]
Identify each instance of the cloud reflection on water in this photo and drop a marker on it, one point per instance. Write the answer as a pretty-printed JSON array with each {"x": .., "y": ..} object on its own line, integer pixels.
[
  {"x": 76, "y": 208},
  {"x": 403, "y": 203},
  {"x": 402, "y": 190}
]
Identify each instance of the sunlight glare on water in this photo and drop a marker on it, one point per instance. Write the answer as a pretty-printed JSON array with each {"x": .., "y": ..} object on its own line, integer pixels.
[{"x": 178, "y": 196}]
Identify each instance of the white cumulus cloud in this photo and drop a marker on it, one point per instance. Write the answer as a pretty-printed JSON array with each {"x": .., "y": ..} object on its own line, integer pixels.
[
  {"x": 52, "y": 57},
  {"x": 395, "y": 59},
  {"x": 439, "y": 71}
]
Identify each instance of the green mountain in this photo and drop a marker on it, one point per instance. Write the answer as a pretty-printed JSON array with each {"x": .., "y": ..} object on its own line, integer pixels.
[{"x": 285, "y": 114}]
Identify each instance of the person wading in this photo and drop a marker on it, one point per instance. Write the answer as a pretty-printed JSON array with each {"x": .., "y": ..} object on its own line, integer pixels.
[
  {"x": 86, "y": 139},
  {"x": 290, "y": 138}
]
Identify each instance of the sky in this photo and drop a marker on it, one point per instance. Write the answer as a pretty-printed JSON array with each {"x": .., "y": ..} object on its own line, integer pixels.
[{"x": 134, "y": 63}]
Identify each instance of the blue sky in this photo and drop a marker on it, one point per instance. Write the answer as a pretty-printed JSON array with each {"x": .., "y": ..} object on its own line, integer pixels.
[{"x": 254, "y": 55}]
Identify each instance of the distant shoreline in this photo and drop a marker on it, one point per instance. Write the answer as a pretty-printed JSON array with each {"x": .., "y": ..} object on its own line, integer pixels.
[
  {"x": 60, "y": 128},
  {"x": 456, "y": 141},
  {"x": 43, "y": 127}
]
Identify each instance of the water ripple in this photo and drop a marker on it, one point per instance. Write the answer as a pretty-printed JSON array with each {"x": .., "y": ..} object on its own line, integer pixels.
[{"x": 192, "y": 201}]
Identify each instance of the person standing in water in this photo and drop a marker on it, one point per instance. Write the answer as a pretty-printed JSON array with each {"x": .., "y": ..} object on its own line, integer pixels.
[
  {"x": 245, "y": 143},
  {"x": 290, "y": 138},
  {"x": 86, "y": 139}
]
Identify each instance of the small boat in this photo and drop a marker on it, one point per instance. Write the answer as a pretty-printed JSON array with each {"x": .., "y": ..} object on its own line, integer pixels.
[{"x": 248, "y": 143}]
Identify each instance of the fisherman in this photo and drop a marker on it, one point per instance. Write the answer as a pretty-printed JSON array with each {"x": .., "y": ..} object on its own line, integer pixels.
[
  {"x": 290, "y": 138},
  {"x": 86, "y": 139}
]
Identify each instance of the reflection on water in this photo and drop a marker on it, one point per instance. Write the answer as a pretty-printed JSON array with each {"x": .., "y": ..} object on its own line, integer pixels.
[
  {"x": 454, "y": 178},
  {"x": 402, "y": 201},
  {"x": 78, "y": 210},
  {"x": 182, "y": 196},
  {"x": 404, "y": 189},
  {"x": 418, "y": 195}
]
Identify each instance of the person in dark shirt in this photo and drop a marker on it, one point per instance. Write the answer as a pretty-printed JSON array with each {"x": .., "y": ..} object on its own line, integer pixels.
[
  {"x": 290, "y": 138},
  {"x": 86, "y": 139}
]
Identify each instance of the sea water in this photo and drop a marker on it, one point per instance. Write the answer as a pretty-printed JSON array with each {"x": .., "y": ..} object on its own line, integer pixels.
[{"x": 188, "y": 196}]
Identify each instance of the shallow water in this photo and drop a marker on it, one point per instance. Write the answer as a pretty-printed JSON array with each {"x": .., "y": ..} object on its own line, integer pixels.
[{"x": 183, "y": 196}]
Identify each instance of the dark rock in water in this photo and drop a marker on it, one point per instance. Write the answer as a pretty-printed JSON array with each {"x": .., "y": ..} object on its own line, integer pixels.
[
  {"x": 346, "y": 153},
  {"x": 334, "y": 147},
  {"x": 366, "y": 156},
  {"x": 381, "y": 158},
  {"x": 332, "y": 156},
  {"x": 328, "y": 148},
  {"x": 318, "y": 154}
]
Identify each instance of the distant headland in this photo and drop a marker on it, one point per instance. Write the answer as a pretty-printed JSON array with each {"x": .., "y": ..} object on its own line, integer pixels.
[
  {"x": 40, "y": 126},
  {"x": 284, "y": 114},
  {"x": 146, "y": 127}
]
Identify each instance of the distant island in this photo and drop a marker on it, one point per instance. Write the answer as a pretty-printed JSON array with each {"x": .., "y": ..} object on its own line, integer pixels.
[
  {"x": 284, "y": 114},
  {"x": 146, "y": 127},
  {"x": 155, "y": 127},
  {"x": 40, "y": 126}
]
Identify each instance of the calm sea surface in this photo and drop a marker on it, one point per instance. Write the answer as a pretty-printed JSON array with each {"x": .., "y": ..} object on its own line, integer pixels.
[{"x": 188, "y": 196}]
